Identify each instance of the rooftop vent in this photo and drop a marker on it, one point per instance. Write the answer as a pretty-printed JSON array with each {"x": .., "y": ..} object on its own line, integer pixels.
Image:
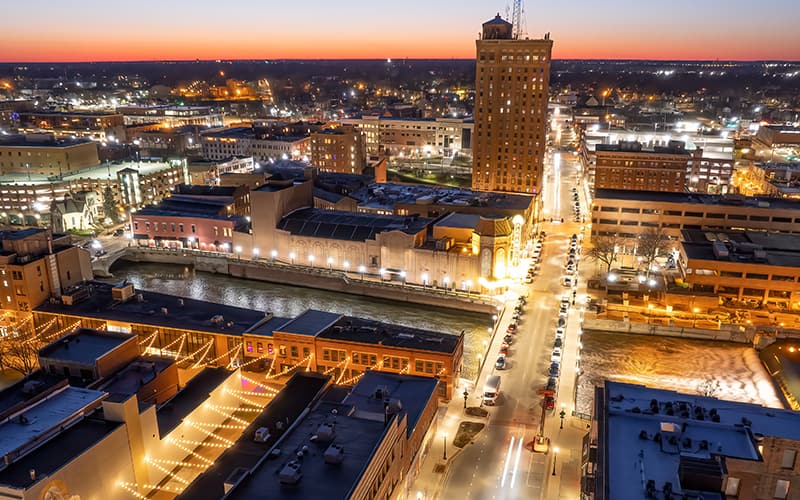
[
  {"x": 334, "y": 454},
  {"x": 326, "y": 432},
  {"x": 290, "y": 474}
]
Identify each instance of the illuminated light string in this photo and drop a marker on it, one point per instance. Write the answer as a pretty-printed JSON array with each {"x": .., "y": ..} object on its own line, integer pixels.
[
  {"x": 46, "y": 326},
  {"x": 209, "y": 433},
  {"x": 254, "y": 360},
  {"x": 344, "y": 369},
  {"x": 173, "y": 342},
  {"x": 214, "y": 361},
  {"x": 259, "y": 384},
  {"x": 203, "y": 356},
  {"x": 228, "y": 415},
  {"x": 180, "y": 347},
  {"x": 149, "y": 338},
  {"x": 220, "y": 426},
  {"x": 287, "y": 370},
  {"x": 241, "y": 396},
  {"x": 358, "y": 377},
  {"x": 163, "y": 487},
  {"x": 199, "y": 444},
  {"x": 169, "y": 473},
  {"x": 132, "y": 491},
  {"x": 205, "y": 346},
  {"x": 190, "y": 452},
  {"x": 176, "y": 463},
  {"x": 337, "y": 365},
  {"x": 234, "y": 409}
]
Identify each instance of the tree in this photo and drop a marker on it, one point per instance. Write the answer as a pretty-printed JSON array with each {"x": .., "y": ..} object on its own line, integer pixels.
[
  {"x": 20, "y": 353},
  {"x": 109, "y": 204},
  {"x": 709, "y": 387},
  {"x": 604, "y": 249},
  {"x": 652, "y": 244}
]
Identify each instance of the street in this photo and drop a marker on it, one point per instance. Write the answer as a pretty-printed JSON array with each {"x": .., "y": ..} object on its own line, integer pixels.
[{"x": 498, "y": 464}]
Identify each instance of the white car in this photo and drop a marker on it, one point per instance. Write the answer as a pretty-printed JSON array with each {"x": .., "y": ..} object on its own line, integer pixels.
[
  {"x": 562, "y": 313},
  {"x": 567, "y": 281},
  {"x": 555, "y": 357},
  {"x": 560, "y": 332}
]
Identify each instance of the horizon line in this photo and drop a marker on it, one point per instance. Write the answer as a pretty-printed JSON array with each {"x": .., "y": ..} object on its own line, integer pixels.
[{"x": 392, "y": 59}]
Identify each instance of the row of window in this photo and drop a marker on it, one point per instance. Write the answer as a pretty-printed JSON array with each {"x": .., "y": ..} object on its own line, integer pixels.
[{"x": 712, "y": 215}]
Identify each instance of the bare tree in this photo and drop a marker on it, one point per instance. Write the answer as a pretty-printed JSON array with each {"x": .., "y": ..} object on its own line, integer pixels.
[
  {"x": 652, "y": 244},
  {"x": 604, "y": 249},
  {"x": 20, "y": 353},
  {"x": 709, "y": 387}
]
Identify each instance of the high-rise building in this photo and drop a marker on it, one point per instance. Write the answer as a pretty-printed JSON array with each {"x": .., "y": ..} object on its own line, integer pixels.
[{"x": 511, "y": 82}]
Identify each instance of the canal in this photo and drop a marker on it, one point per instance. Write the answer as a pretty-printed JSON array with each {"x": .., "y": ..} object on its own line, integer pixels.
[{"x": 289, "y": 301}]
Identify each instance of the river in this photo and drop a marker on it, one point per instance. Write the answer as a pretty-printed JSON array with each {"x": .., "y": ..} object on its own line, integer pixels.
[{"x": 290, "y": 301}]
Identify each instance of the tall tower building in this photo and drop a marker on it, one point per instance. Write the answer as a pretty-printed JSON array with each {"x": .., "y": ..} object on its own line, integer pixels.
[{"x": 511, "y": 82}]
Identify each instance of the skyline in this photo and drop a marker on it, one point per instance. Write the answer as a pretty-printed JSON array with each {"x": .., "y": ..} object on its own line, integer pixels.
[{"x": 185, "y": 31}]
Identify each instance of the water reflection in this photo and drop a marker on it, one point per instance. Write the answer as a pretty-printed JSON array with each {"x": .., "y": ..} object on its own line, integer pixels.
[{"x": 290, "y": 301}]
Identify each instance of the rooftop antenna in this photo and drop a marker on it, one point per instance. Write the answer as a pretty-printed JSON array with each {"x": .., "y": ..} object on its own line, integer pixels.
[{"x": 516, "y": 19}]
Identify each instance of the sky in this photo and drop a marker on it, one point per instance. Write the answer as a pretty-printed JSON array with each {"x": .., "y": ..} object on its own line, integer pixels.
[{"x": 111, "y": 30}]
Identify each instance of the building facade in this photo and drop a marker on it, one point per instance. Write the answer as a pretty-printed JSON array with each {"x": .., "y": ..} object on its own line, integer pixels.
[
  {"x": 511, "y": 95},
  {"x": 628, "y": 166},
  {"x": 339, "y": 150},
  {"x": 43, "y": 155},
  {"x": 414, "y": 137},
  {"x": 97, "y": 126}
]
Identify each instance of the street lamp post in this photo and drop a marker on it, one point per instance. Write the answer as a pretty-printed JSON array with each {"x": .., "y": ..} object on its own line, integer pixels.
[
  {"x": 256, "y": 251},
  {"x": 555, "y": 457},
  {"x": 563, "y": 414},
  {"x": 292, "y": 256},
  {"x": 694, "y": 318},
  {"x": 361, "y": 270},
  {"x": 466, "y": 397},
  {"x": 444, "y": 446}
]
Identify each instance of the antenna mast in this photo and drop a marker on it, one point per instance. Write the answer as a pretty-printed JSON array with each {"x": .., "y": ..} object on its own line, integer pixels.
[{"x": 516, "y": 19}]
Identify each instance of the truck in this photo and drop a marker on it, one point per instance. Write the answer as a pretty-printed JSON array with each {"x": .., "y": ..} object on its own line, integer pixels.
[{"x": 491, "y": 389}]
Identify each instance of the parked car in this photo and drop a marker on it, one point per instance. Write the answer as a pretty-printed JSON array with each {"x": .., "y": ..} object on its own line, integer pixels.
[
  {"x": 558, "y": 343},
  {"x": 512, "y": 328},
  {"x": 508, "y": 339},
  {"x": 549, "y": 402},
  {"x": 555, "y": 369},
  {"x": 552, "y": 384},
  {"x": 500, "y": 364},
  {"x": 504, "y": 350},
  {"x": 560, "y": 332},
  {"x": 528, "y": 279},
  {"x": 555, "y": 356}
]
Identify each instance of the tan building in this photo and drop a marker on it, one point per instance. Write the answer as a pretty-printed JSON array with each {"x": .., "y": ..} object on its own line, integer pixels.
[
  {"x": 651, "y": 443},
  {"x": 631, "y": 213},
  {"x": 413, "y": 137},
  {"x": 35, "y": 267},
  {"x": 743, "y": 265},
  {"x": 339, "y": 150},
  {"x": 43, "y": 155},
  {"x": 97, "y": 126},
  {"x": 628, "y": 166},
  {"x": 511, "y": 94}
]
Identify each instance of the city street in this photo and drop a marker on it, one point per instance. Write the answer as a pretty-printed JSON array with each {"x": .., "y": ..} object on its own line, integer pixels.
[{"x": 498, "y": 464}]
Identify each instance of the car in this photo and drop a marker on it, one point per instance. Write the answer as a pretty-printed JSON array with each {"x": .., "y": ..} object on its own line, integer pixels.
[
  {"x": 574, "y": 237},
  {"x": 565, "y": 300},
  {"x": 560, "y": 332},
  {"x": 555, "y": 369},
  {"x": 556, "y": 355},
  {"x": 543, "y": 234},
  {"x": 549, "y": 402},
  {"x": 508, "y": 339},
  {"x": 504, "y": 350},
  {"x": 500, "y": 364},
  {"x": 552, "y": 384},
  {"x": 516, "y": 318},
  {"x": 558, "y": 343},
  {"x": 571, "y": 261},
  {"x": 528, "y": 279},
  {"x": 118, "y": 232},
  {"x": 567, "y": 281},
  {"x": 571, "y": 268},
  {"x": 562, "y": 322},
  {"x": 562, "y": 313},
  {"x": 512, "y": 328}
]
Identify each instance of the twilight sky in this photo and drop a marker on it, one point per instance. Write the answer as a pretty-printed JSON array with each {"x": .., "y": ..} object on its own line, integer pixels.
[{"x": 103, "y": 30}]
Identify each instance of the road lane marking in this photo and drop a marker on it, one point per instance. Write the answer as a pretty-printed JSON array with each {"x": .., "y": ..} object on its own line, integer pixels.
[
  {"x": 516, "y": 462},
  {"x": 508, "y": 459}
]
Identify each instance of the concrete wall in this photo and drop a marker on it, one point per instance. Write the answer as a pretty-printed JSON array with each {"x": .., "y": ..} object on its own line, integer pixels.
[{"x": 732, "y": 334}]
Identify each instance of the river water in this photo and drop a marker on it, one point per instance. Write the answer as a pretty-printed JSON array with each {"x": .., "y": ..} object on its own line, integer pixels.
[{"x": 290, "y": 301}]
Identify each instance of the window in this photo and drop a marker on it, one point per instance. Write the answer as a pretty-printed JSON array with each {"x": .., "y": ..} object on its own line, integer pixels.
[
  {"x": 259, "y": 347},
  {"x": 249, "y": 346},
  {"x": 194, "y": 229},
  {"x": 693, "y": 214},
  {"x": 180, "y": 227},
  {"x": 788, "y": 459},
  {"x": 295, "y": 351},
  {"x": 306, "y": 352},
  {"x": 715, "y": 216},
  {"x": 737, "y": 217},
  {"x": 673, "y": 212},
  {"x": 730, "y": 274},
  {"x": 759, "y": 218},
  {"x": 781, "y": 489},
  {"x": 732, "y": 486}
]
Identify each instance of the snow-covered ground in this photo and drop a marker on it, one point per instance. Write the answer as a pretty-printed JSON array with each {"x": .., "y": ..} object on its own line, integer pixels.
[{"x": 733, "y": 370}]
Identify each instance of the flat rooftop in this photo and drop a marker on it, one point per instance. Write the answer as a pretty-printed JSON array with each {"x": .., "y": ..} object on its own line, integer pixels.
[
  {"x": 142, "y": 370},
  {"x": 46, "y": 415},
  {"x": 413, "y": 392},
  {"x": 359, "y": 438},
  {"x": 16, "y": 141},
  {"x": 84, "y": 346},
  {"x": 268, "y": 328},
  {"x": 57, "y": 452},
  {"x": 352, "y": 329},
  {"x": 193, "y": 314},
  {"x": 630, "y": 415},
  {"x": 751, "y": 202},
  {"x": 459, "y": 221},
  {"x": 17, "y": 395},
  {"x": 170, "y": 414},
  {"x": 388, "y": 195},
  {"x": 99, "y": 172},
  {"x": 746, "y": 247},
  {"x": 310, "y": 322},
  {"x": 297, "y": 395},
  {"x": 349, "y": 226}
]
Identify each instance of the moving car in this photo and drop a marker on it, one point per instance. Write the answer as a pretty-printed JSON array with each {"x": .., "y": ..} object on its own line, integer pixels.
[{"x": 491, "y": 390}]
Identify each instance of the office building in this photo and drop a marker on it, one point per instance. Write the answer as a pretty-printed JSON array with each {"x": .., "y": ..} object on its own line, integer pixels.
[
  {"x": 413, "y": 137},
  {"x": 339, "y": 149},
  {"x": 108, "y": 127},
  {"x": 649, "y": 443},
  {"x": 169, "y": 116},
  {"x": 43, "y": 155},
  {"x": 511, "y": 95},
  {"x": 36, "y": 265},
  {"x": 628, "y": 166},
  {"x": 746, "y": 266},
  {"x": 244, "y": 141},
  {"x": 629, "y": 214}
]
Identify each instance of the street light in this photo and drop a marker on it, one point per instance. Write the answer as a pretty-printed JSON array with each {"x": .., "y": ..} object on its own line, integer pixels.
[
  {"x": 346, "y": 265},
  {"x": 361, "y": 270},
  {"x": 292, "y": 256},
  {"x": 424, "y": 279},
  {"x": 694, "y": 319},
  {"x": 311, "y": 260},
  {"x": 238, "y": 251},
  {"x": 563, "y": 414},
  {"x": 330, "y": 262},
  {"x": 466, "y": 397},
  {"x": 555, "y": 457},
  {"x": 444, "y": 446},
  {"x": 256, "y": 251}
]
